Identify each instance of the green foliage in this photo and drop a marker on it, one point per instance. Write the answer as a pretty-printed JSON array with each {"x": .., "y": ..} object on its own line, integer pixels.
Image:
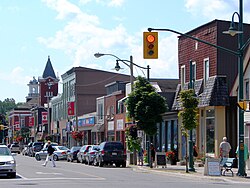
[
  {"x": 132, "y": 143},
  {"x": 7, "y": 105},
  {"x": 146, "y": 106},
  {"x": 189, "y": 113},
  {"x": 24, "y": 132}
]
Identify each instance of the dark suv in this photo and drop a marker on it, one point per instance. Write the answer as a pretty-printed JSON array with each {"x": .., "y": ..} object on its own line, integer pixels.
[
  {"x": 36, "y": 146},
  {"x": 111, "y": 152}
]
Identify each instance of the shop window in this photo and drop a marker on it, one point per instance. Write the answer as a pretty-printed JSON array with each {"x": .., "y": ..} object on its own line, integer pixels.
[{"x": 210, "y": 128}]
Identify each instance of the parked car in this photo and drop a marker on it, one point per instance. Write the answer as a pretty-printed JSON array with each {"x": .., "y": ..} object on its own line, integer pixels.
[
  {"x": 60, "y": 153},
  {"x": 52, "y": 144},
  {"x": 111, "y": 152},
  {"x": 91, "y": 154},
  {"x": 35, "y": 147},
  {"x": 81, "y": 155},
  {"x": 7, "y": 162},
  {"x": 72, "y": 154},
  {"x": 15, "y": 148}
]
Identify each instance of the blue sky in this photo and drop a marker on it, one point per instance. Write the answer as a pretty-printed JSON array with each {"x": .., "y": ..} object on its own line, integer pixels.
[{"x": 71, "y": 31}]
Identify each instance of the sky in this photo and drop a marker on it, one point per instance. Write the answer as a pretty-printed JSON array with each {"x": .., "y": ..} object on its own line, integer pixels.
[{"x": 72, "y": 31}]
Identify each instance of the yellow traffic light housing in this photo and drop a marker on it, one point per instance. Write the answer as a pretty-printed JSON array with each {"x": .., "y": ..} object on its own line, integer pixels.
[
  {"x": 242, "y": 105},
  {"x": 150, "y": 45}
]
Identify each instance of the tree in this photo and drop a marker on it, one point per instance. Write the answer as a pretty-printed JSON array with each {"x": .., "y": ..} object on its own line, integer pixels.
[
  {"x": 145, "y": 106},
  {"x": 189, "y": 113},
  {"x": 7, "y": 105}
]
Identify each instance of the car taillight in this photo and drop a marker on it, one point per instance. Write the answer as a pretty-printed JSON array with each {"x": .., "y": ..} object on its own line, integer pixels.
[
  {"x": 102, "y": 152},
  {"x": 63, "y": 153},
  {"x": 84, "y": 152},
  {"x": 92, "y": 152}
]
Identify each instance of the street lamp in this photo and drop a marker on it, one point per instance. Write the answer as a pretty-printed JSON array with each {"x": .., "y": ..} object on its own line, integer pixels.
[
  {"x": 233, "y": 31},
  {"x": 239, "y": 54},
  {"x": 117, "y": 68}
]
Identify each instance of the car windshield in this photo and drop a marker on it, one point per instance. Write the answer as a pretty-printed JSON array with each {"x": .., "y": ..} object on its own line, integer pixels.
[
  {"x": 4, "y": 151},
  {"x": 75, "y": 148},
  {"x": 113, "y": 146},
  {"x": 62, "y": 148},
  {"x": 95, "y": 148}
]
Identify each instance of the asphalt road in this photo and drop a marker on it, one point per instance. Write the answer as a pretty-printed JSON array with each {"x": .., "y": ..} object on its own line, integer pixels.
[{"x": 31, "y": 173}]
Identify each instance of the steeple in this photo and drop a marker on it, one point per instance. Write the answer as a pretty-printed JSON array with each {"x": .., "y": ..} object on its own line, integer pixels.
[{"x": 49, "y": 71}]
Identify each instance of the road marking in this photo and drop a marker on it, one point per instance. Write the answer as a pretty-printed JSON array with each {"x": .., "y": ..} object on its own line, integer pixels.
[{"x": 45, "y": 173}]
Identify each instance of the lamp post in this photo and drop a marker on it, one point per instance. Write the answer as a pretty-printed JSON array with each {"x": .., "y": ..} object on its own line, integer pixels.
[
  {"x": 191, "y": 144},
  {"x": 117, "y": 68},
  {"x": 239, "y": 54},
  {"x": 233, "y": 31}
]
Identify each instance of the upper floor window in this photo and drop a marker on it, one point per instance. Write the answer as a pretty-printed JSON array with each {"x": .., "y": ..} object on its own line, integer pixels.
[
  {"x": 206, "y": 69},
  {"x": 193, "y": 71},
  {"x": 183, "y": 76},
  {"x": 247, "y": 89}
]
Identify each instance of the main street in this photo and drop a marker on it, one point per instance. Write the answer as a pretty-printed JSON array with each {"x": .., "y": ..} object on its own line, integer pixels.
[{"x": 31, "y": 173}]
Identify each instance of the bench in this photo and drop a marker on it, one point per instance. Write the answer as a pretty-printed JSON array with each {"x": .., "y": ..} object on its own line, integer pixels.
[{"x": 226, "y": 165}]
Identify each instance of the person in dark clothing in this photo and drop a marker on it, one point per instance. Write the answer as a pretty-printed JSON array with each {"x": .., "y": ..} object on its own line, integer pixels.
[
  {"x": 49, "y": 157},
  {"x": 152, "y": 151}
]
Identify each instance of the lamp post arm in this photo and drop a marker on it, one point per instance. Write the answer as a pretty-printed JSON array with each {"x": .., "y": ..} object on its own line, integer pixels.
[
  {"x": 132, "y": 63},
  {"x": 194, "y": 38},
  {"x": 243, "y": 47}
]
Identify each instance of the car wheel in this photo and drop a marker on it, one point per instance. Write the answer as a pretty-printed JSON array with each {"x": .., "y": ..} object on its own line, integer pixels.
[
  {"x": 55, "y": 157},
  {"x": 38, "y": 158},
  {"x": 117, "y": 164},
  {"x": 12, "y": 175},
  {"x": 100, "y": 163},
  {"x": 124, "y": 164},
  {"x": 77, "y": 160}
]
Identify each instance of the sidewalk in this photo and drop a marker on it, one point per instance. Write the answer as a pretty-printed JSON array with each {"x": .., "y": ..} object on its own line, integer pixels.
[{"x": 177, "y": 170}]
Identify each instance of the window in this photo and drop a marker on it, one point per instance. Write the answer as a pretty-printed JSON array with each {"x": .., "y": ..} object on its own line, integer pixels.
[
  {"x": 206, "y": 69},
  {"x": 183, "y": 80},
  {"x": 193, "y": 71},
  {"x": 100, "y": 111},
  {"x": 247, "y": 89},
  {"x": 196, "y": 45},
  {"x": 210, "y": 128}
]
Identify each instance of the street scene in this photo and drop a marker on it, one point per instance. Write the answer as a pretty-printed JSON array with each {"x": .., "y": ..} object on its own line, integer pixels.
[
  {"x": 31, "y": 173},
  {"x": 174, "y": 112}
]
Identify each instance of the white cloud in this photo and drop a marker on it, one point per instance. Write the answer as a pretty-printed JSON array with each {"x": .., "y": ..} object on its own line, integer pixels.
[
  {"x": 16, "y": 76},
  {"x": 63, "y": 7},
  {"x": 116, "y": 3},
  {"x": 219, "y": 9}
]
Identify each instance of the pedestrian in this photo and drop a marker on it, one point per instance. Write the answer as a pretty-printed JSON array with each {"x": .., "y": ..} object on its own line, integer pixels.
[
  {"x": 246, "y": 154},
  {"x": 140, "y": 156},
  {"x": 152, "y": 151},
  {"x": 50, "y": 155},
  {"x": 225, "y": 148},
  {"x": 195, "y": 150}
]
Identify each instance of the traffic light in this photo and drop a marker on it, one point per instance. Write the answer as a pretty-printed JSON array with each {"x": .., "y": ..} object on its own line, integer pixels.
[{"x": 150, "y": 45}]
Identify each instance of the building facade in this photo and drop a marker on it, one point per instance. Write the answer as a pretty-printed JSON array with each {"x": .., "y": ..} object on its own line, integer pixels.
[{"x": 213, "y": 74}]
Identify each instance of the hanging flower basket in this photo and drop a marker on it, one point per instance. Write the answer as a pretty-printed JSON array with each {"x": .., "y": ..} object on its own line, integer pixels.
[
  {"x": 77, "y": 135},
  {"x": 19, "y": 138}
]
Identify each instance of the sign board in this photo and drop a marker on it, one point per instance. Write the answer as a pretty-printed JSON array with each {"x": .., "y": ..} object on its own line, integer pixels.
[
  {"x": 161, "y": 159},
  {"x": 212, "y": 167}
]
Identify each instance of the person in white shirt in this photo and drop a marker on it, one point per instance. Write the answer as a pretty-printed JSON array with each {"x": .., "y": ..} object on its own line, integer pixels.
[{"x": 225, "y": 148}]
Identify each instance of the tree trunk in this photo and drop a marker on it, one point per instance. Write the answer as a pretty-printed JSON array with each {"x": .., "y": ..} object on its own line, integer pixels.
[{"x": 186, "y": 154}]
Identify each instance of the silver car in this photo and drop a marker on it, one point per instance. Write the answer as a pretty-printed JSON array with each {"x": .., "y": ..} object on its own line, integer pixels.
[
  {"x": 7, "y": 162},
  {"x": 60, "y": 153}
]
